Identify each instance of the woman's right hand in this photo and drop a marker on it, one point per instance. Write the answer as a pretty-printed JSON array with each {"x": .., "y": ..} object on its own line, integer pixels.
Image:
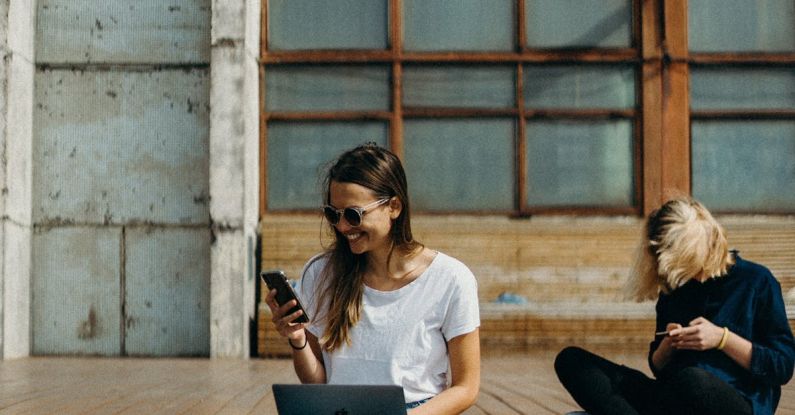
[
  {"x": 665, "y": 350},
  {"x": 283, "y": 321},
  {"x": 667, "y": 340}
]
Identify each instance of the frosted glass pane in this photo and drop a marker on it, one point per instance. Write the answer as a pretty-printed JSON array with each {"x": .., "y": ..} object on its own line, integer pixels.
[
  {"x": 319, "y": 24},
  {"x": 579, "y": 23},
  {"x": 557, "y": 86},
  {"x": 461, "y": 164},
  {"x": 731, "y": 88},
  {"x": 741, "y": 25},
  {"x": 577, "y": 163},
  {"x": 744, "y": 165},
  {"x": 461, "y": 25},
  {"x": 461, "y": 87},
  {"x": 298, "y": 153},
  {"x": 333, "y": 88}
]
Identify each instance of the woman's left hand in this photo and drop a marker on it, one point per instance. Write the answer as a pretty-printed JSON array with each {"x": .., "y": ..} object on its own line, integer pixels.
[{"x": 700, "y": 334}]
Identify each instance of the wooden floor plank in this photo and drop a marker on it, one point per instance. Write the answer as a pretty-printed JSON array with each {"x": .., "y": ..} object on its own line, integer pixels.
[{"x": 510, "y": 385}]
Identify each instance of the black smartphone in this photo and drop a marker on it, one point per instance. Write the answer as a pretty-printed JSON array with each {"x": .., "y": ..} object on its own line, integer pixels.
[{"x": 275, "y": 279}]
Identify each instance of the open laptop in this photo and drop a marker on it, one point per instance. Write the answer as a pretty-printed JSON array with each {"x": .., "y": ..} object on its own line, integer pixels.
[{"x": 339, "y": 399}]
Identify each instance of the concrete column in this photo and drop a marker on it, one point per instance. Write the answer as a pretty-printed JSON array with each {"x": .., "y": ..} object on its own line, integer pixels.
[
  {"x": 17, "y": 20},
  {"x": 234, "y": 173}
]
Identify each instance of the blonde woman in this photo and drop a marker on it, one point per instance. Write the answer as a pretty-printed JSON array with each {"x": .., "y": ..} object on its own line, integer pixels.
[
  {"x": 723, "y": 343},
  {"x": 384, "y": 309}
]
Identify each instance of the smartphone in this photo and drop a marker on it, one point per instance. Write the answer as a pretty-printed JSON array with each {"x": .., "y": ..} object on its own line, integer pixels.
[{"x": 275, "y": 279}]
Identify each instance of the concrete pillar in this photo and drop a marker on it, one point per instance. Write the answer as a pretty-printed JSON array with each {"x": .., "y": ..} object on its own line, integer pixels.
[
  {"x": 17, "y": 20},
  {"x": 234, "y": 173}
]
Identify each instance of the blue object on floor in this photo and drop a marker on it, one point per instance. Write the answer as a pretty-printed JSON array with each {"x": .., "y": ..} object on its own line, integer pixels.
[{"x": 510, "y": 298}]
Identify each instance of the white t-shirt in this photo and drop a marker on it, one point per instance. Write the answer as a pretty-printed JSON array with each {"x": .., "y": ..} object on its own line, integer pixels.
[{"x": 400, "y": 337}]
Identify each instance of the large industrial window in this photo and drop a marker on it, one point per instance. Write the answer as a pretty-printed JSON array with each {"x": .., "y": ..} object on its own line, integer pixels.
[
  {"x": 530, "y": 106},
  {"x": 742, "y": 100}
]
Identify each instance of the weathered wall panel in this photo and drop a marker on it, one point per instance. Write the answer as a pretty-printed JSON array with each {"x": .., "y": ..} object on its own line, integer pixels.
[
  {"x": 76, "y": 296},
  {"x": 117, "y": 31},
  {"x": 167, "y": 274},
  {"x": 120, "y": 147}
]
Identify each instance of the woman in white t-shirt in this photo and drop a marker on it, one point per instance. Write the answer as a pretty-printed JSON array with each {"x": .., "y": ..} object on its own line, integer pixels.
[{"x": 384, "y": 309}]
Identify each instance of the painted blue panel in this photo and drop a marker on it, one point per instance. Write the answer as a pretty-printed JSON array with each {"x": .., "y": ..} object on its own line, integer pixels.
[
  {"x": 462, "y": 25},
  {"x": 167, "y": 292},
  {"x": 115, "y": 31},
  {"x": 735, "y": 88},
  {"x": 744, "y": 165},
  {"x": 116, "y": 147},
  {"x": 579, "y": 163},
  {"x": 75, "y": 284},
  {"x": 298, "y": 153},
  {"x": 741, "y": 25},
  {"x": 459, "y": 86},
  {"x": 327, "y": 87},
  {"x": 338, "y": 24},
  {"x": 578, "y": 23},
  {"x": 460, "y": 164},
  {"x": 581, "y": 86}
]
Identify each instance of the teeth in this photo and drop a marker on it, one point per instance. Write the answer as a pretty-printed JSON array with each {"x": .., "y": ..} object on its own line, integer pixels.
[{"x": 353, "y": 236}]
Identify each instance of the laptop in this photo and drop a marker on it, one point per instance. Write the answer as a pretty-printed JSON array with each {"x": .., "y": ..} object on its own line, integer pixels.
[{"x": 325, "y": 399}]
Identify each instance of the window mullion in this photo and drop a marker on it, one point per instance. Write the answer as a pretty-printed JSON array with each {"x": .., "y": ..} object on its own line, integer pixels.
[{"x": 675, "y": 125}]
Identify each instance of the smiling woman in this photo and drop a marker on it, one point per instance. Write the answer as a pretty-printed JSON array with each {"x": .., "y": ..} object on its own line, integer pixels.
[{"x": 385, "y": 309}]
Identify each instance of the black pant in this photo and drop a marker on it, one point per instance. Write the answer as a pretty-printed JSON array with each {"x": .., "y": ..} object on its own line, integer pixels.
[{"x": 602, "y": 387}]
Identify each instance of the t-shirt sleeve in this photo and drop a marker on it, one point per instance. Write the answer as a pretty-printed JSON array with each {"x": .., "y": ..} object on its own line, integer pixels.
[{"x": 463, "y": 312}]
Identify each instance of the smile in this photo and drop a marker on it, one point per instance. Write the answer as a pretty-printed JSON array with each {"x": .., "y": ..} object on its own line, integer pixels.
[{"x": 352, "y": 236}]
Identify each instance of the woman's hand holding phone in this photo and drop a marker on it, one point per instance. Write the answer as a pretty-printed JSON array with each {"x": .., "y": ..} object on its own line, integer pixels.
[
  {"x": 289, "y": 316},
  {"x": 284, "y": 320}
]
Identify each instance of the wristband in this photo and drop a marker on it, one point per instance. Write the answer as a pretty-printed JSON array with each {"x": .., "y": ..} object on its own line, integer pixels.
[
  {"x": 723, "y": 339},
  {"x": 306, "y": 341}
]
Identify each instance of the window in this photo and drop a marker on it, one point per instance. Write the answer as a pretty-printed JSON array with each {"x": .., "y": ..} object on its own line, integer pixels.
[
  {"x": 526, "y": 107},
  {"x": 742, "y": 102}
]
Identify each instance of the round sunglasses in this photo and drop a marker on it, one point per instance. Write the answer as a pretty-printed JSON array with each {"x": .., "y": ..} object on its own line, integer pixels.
[{"x": 353, "y": 214}]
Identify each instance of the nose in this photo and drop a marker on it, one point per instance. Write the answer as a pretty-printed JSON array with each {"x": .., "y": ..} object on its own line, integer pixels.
[{"x": 343, "y": 225}]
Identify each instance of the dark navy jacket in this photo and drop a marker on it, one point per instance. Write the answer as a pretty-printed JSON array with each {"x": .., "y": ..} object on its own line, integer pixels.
[{"x": 748, "y": 301}]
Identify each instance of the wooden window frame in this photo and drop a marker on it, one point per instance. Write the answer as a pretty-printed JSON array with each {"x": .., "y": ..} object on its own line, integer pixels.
[{"x": 661, "y": 117}]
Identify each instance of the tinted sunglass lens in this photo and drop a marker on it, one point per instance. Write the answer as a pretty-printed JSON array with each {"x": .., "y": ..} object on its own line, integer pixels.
[
  {"x": 352, "y": 217},
  {"x": 331, "y": 215}
]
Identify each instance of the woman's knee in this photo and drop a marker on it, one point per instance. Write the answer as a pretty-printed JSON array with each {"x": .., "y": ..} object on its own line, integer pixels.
[{"x": 569, "y": 358}]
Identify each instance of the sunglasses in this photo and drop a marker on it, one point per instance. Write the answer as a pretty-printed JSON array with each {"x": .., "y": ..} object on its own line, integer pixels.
[{"x": 353, "y": 215}]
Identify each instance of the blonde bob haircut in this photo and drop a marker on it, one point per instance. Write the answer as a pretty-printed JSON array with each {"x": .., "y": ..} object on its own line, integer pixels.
[{"x": 681, "y": 241}]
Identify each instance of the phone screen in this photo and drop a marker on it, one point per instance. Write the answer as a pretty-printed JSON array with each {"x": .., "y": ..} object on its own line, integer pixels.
[{"x": 275, "y": 279}]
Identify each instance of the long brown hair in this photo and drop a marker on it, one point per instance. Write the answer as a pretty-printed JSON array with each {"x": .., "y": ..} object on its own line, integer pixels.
[
  {"x": 341, "y": 286},
  {"x": 681, "y": 241}
]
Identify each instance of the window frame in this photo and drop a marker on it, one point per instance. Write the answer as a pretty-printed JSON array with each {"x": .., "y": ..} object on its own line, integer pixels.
[{"x": 661, "y": 116}]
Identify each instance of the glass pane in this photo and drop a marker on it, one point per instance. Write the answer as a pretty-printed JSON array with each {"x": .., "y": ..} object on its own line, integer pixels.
[
  {"x": 461, "y": 87},
  {"x": 732, "y": 88},
  {"x": 332, "y": 88},
  {"x": 744, "y": 165},
  {"x": 462, "y": 164},
  {"x": 462, "y": 25},
  {"x": 741, "y": 25},
  {"x": 338, "y": 24},
  {"x": 579, "y": 163},
  {"x": 557, "y": 86},
  {"x": 579, "y": 23},
  {"x": 298, "y": 153}
]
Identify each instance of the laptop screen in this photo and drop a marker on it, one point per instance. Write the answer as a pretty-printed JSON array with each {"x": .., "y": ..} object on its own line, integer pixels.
[{"x": 339, "y": 399}]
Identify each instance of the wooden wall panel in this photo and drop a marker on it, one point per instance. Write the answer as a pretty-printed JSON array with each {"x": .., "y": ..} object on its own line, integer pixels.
[{"x": 570, "y": 270}]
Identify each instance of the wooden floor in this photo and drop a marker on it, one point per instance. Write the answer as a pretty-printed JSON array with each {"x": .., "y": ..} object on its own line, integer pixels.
[{"x": 511, "y": 384}]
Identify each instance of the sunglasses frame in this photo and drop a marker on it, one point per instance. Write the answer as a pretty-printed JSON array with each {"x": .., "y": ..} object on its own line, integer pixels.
[{"x": 360, "y": 211}]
